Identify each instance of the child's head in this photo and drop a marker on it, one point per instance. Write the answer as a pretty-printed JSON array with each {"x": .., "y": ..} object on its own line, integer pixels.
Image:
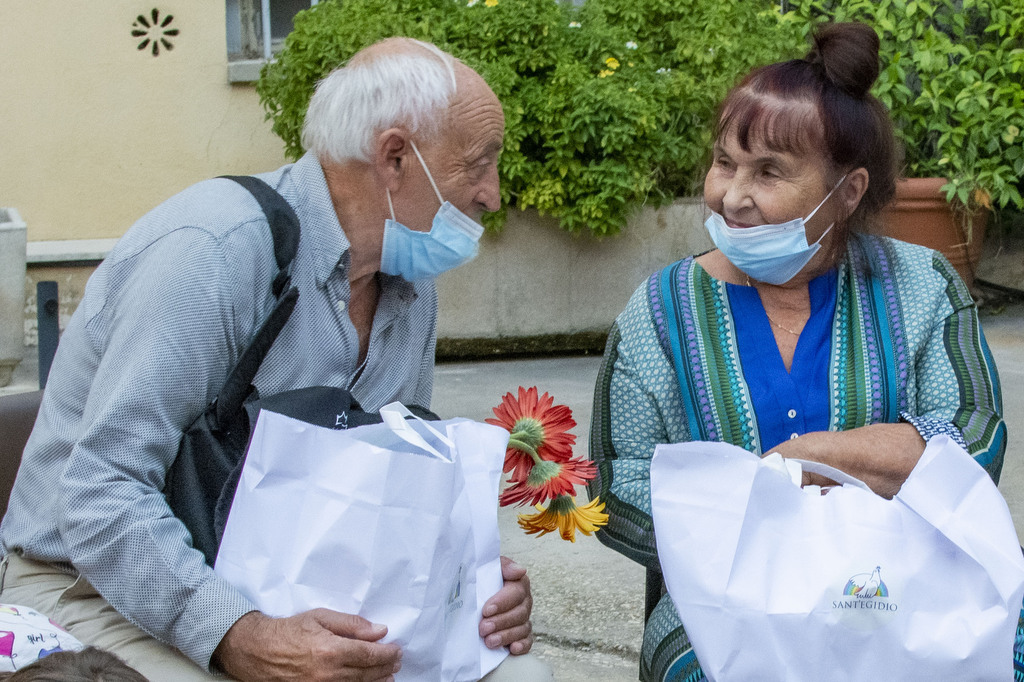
[{"x": 88, "y": 665}]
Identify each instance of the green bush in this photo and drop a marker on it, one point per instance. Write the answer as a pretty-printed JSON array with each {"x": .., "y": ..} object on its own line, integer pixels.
[{"x": 608, "y": 106}]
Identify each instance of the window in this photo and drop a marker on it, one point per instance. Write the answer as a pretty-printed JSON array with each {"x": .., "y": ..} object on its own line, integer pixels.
[{"x": 249, "y": 45}]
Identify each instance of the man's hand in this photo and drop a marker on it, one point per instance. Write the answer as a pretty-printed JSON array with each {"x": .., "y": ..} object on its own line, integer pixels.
[
  {"x": 317, "y": 645},
  {"x": 506, "y": 620}
]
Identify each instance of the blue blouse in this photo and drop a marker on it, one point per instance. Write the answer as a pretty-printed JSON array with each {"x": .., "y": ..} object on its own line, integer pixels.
[{"x": 787, "y": 404}]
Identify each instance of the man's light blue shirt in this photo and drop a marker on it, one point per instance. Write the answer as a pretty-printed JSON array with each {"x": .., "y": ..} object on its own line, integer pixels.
[{"x": 161, "y": 323}]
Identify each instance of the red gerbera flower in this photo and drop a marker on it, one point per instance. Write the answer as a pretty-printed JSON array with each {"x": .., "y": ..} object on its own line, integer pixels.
[
  {"x": 547, "y": 480},
  {"x": 539, "y": 430}
]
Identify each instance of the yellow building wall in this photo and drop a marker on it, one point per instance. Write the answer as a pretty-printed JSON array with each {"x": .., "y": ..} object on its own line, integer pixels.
[{"x": 94, "y": 132}]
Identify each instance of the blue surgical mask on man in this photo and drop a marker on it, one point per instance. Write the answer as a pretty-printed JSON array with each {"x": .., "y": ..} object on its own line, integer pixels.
[
  {"x": 772, "y": 253},
  {"x": 453, "y": 239}
]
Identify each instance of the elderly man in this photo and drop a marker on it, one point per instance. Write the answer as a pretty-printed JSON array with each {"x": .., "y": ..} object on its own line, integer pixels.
[{"x": 403, "y": 148}]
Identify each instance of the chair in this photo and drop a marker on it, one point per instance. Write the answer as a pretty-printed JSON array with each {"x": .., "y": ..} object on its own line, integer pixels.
[
  {"x": 654, "y": 590},
  {"x": 17, "y": 416}
]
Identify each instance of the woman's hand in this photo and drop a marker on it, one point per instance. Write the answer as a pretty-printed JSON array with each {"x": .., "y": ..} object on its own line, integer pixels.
[{"x": 881, "y": 455}]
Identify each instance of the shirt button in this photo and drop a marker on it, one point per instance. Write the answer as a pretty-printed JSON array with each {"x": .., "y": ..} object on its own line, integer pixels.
[
  {"x": 341, "y": 306},
  {"x": 792, "y": 414},
  {"x": 794, "y": 435}
]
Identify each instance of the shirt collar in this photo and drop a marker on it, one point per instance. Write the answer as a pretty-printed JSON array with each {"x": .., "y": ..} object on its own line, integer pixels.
[{"x": 321, "y": 233}]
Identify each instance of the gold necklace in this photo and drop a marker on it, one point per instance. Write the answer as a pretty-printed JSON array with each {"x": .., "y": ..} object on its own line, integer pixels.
[{"x": 783, "y": 328}]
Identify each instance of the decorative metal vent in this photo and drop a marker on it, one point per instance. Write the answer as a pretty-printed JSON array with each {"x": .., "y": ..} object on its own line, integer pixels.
[{"x": 154, "y": 31}]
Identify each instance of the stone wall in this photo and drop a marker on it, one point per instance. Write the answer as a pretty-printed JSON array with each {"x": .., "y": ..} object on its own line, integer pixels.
[{"x": 534, "y": 287}]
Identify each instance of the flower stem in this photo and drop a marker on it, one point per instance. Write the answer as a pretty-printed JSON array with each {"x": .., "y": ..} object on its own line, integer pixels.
[{"x": 516, "y": 442}]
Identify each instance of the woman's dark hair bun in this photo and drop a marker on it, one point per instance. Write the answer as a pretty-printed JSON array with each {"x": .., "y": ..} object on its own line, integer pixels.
[{"x": 848, "y": 53}]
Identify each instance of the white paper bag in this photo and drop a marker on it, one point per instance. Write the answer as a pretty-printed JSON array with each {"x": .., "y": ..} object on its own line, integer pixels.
[
  {"x": 775, "y": 582},
  {"x": 394, "y": 522}
]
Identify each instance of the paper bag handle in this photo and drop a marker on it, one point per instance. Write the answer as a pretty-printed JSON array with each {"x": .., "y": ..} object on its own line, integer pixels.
[
  {"x": 394, "y": 416},
  {"x": 837, "y": 475}
]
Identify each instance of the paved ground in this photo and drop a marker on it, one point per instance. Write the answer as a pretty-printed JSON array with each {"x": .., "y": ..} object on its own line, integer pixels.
[{"x": 589, "y": 599}]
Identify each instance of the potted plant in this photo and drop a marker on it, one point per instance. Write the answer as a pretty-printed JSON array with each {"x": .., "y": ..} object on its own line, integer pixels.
[{"x": 953, "y": 79}]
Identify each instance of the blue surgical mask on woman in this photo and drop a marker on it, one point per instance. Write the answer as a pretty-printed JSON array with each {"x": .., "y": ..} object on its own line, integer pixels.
[
  {"x": 772, "y": 253},
  {"x": 452, "y": 240}
]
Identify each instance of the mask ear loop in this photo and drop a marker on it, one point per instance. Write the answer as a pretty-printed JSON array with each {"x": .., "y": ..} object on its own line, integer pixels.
[
  {"x": 427, "y": 171},
  {"x": 827, "y": 230},
  {"x": 391, "y": 207},
  {"x": 830, "y": 192}
]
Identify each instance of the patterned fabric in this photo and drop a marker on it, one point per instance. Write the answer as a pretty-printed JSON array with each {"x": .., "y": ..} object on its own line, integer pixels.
[
  {"x": 905, "y": 340},
  {"x": 162, "y": 321},
  {"x": 1018, "y": 650},
  {"x": 929, "y": 428},
  {"x": 794, "y": 401}
]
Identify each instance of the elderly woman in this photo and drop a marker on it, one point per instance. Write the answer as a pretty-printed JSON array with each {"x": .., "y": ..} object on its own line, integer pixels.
[{"x": 801, "y": 333}]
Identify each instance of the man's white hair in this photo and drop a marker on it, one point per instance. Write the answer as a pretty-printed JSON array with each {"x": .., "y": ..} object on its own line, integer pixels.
[{"x": 409, "y": 88}]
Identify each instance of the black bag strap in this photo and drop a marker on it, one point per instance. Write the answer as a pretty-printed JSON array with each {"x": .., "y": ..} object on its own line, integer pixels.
[
  {"x": 284, "y": 225},
  {"x": 285, "y": 229}
]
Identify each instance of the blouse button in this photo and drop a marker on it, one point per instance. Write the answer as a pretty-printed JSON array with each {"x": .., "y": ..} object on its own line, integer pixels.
[
  {"x": 792, "y": 414},
  {"x": 341, "y": 306}
]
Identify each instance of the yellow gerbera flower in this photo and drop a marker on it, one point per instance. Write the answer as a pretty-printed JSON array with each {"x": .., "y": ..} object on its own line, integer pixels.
[{"x": 564, "y": 516}]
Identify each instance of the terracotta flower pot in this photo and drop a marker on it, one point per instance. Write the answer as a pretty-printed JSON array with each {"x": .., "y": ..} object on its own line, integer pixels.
[{"x": 921, "y": 215}]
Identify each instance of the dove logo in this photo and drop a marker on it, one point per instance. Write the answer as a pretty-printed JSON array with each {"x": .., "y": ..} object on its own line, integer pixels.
[
  {"x": 866, "y": 585},
  {"x": 866, "y": 602}
]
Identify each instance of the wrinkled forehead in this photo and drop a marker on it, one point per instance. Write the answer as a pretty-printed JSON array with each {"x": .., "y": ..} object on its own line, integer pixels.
[
  {"x": 759, "y": 120},
  {"x": 475, "y": 110}
]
